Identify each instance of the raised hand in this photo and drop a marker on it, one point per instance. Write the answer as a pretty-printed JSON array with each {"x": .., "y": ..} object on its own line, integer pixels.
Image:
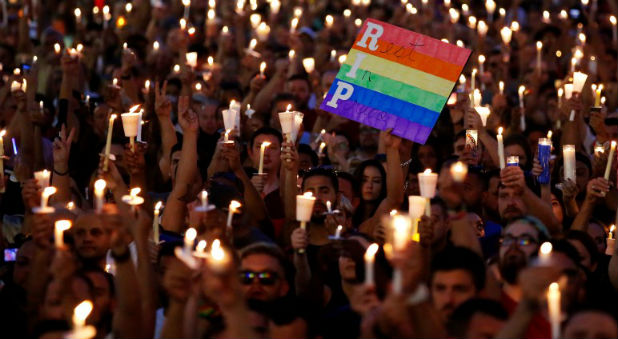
[
  {"x": 390, "y": 140},
  {"x": 187, "y": 120},
  {"x": 163, "y": 107},
  {"x": 596, "y": 189},
  {"x": 62, "y": 149},
  {"x": 135, "y": 161},
  {"x": 300, "y": 238},
  {"x": 569, "y": 190}
]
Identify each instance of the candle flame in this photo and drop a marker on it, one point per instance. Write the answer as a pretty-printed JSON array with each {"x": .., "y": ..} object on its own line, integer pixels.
[
  {"x": 48, "y": 191},
  {"x": 190, "y": 234},
  {"x": 481, "y": 59},
  {"x": 135, "y": 191},
  {"x": 158, "y": 205},
  {"x": 371, "y": 251},
  {"x": 216, "y": 252},
  {"x": 201, "y": 246},
  {"x": 546, "y": 248},
  {"x": 500, "y": 129},
  {"x": 265, "y": 144},
  {"x": 427, "y": 171},
  {"x": 308, "y": 195},
  {"x": 549, "y": 134},
  {"x": 81, "y": 312},
  {"x": 234, "y": 205},
  {"x": 539, "y": 45},
  {"x": 70, "y": 205},
  {"x": 339, "y": 228},
  {"x": 262, "y": 67},
  {"x": 288, "y": 108},
  {"x": 612, "y": 228},
  {"x": 393, "y": 212},
  {"x": 134, "y": 109},
  {"x": 613, "y": 144},
  {"x": 62, "y": 225},
  {"x": 99, "y": 185}
]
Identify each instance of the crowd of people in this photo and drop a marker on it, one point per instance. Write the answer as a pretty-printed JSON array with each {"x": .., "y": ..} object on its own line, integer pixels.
[{"x": 193, "y": 228}]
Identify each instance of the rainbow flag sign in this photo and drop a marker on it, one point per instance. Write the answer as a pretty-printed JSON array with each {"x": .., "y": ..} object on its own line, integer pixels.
[{"x": 395, "y": 78}]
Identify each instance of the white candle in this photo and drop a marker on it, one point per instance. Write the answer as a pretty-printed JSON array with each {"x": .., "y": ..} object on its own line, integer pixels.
[
  {"x": 522, "y": 117},
  {"x": 155, "y": 222},
  {"x": 614, "y": 23},
  {"x": 309, "y": 65},
  {"x": 610, "y": 158},
  {"x": 459, "y": 170},
  {"x": 338, "y": 232},
  {"x": 47, "y": 192},
  {"x": 59, "y": 227},
  {"x": 501, "y": 148},
  {"x": 262, "y": 68},
  {"x": 130, "y": 124},
  {"x": 99, "y": 190},
  {"x": 262, "y": 149},
  {"x": 370, "y": 254},
  {"x": 190, "y": 236},
  {"x": 108, "y": 143},
  {"x": 579, "y": 79},
  {"x": 427, "y": 185},
  {"x": 482, "y": 64},
  {"x": 568, "y": 152},
  {"x": 553, "y": 308},
  {"x": 233, "y": 208},
  {"x": 321, "y": 149},
  {"x": 473, "y": 80},
  {"x": 80, "y": 314},
  {"x": 286, "y": 119},
  {"x": 42, "y": 178},
  {"x": 191, "y": 59},
  {"x": 187, "y": 4},
  {"x": 204, "y": 199},
  {"x": 539, "y": 48},
  {"x": 545, "y": 254},
  {"x": 262, "y": 31}
]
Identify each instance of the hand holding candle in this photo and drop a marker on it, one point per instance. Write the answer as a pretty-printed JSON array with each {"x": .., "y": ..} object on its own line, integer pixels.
[
  {"x": 44, "y": 208},
  {"x": 233, "y": 208},
  {"x": 155, "y": 221}
]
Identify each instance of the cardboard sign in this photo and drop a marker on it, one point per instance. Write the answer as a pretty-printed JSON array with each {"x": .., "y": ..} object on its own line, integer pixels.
[{"x": 395, "y": 78}]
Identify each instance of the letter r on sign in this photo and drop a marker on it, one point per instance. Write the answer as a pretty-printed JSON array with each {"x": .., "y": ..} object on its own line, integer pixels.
[
  {"x": 372, "y": 32},
  {"x": 340, "y": 95}
]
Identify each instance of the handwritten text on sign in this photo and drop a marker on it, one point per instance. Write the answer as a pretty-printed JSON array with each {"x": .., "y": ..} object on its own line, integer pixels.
[{"x": 395, "y": 78}]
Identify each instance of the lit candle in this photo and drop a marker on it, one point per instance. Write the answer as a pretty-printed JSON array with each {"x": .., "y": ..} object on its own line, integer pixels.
[
  {"x": 560, "y": 95},
  {"x": 610, "y": 158},
  {"x": 501, "y": 87},
  {"x": 286, "y": 119},
  {"x": 293, "y": 25},
  {"x": 70, "y": 205},
  {"x": 130, "y": 124},
  {"x": 155, "y": 46},
  {"x": 490, "y": 6},
  {"x": 454, "y": 15},
  {"x": 42, "y": 178},
  {"x": 506, "y": 35},
  {"x": 321, "y": 149},
  {"x": 133, "y": 199},
  {"x": 459, "y": 170},
  {"x": 262, "y": 149},
  {"x": 611, "y": 241},
  {"x": 309, "y": 64},
  {"x": 57, "y": 48},
  {"x": 155, "y": 222},
  {"x": 262, "y": 31},
  {"x": 218, "y": 259},
  {"x": 482, "y": 28},
  {"x": 597, "y": 96},
  {"x": 370, "y": 254},
  {"x": 255, "y": 20},
  {"x": 233, "y": 208},
  {"x": 484, "y": 112},
  {"x": 553, "y": 308},
  {"x": 187, "y": 4},
  {"x": 78, "y": 15},
  {"x": 249, "y": 112},
  {"x": 522, "y": 117},
  {"x": 47, "y": 192},
  {"x": 329, "y": 207},
  {"x": 108, "y": 143},
  {"x": 262, "y": 68},
  {"x": 59, "y": 227},
  {"x": 579, "y": 79},
  {"x": 80, "y": 314},
  {"x": 539, "y": 48},
  {"x": 304, "y": 208},
  {"x": 191, "y": 59},
  {"x": 501, "y": 148},
  {"x": 481, "y": 64},
  {"x": 544, "y": 255},
  {"x": 328, "y": 21},
  {"x": 99, "y": 194},
  {"x": 568, "y": 153},
  {"x": 427, "y": 184},
  {"x": 512, "y": 160},
  {"x": 473, "y": 80},
  {"x": 546, "y": 17},
  {"x": 190, "y": 236},
  {"x": 338, "y": 232},
  {"x": 544, "y": 151}
]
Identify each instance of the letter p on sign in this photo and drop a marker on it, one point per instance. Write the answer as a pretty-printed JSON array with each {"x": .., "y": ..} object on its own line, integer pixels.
[{"x": 340, "y": 94}]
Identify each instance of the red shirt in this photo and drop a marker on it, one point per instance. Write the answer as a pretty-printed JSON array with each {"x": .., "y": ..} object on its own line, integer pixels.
[{"x": 538, "y": 328}]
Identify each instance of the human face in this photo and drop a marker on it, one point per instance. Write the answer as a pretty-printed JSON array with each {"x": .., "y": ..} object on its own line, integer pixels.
[
  {"x": 371, "y": 186},
  {"x": 272, "y": 153},
  {"x": 510, "y": 204},
  {"x": 459, "y": 146},
  {"x": 100, "y": 121},
  {"x": 91, "y": 239},
  {"x": 368, "y": 137},
  {"x": 346, "y": 189},
  {"x": 427, "y": 156},
  {"x": 473, "y": 190},
  {"x": 59, "y": 305},
  {"x": 438, "y": 218},
  {"x": 597, "y": 232},
  {"x": 207, "y": 117},
  {"x": 520, "y": 241},
  {"x": 585, "y": 261},
  {"x": 483, "y": 326},
  {"x": 300, "y": 90},
  {"x": 304, "y": 161},
  {"x": 516, "y": 150},
  {"x": 258, "y": 263},
  {"x": 450, "y": 289},
  {"x": 102, "y": 295},
  {"x": 591, "y": 324},
  {"x": 323, "y": 190}
]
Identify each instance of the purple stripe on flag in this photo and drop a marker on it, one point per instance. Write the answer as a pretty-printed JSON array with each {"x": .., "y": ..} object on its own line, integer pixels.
[{"x": 378, "y": 119}]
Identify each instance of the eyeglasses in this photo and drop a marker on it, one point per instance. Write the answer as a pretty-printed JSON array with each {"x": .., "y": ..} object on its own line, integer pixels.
[
  {"x": 265, "y": 278},
  {"x": 523, "y": 240}
]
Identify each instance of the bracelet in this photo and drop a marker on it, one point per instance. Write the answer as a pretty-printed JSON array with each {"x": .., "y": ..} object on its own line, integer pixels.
[
  {"x": 406, "y": 163},
  {"x": 120, "y": 258},
  {"x": 61, "y": 173}
]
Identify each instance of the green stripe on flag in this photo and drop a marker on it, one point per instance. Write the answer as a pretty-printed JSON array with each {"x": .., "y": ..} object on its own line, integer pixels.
[{"x": 393, "y": 88}]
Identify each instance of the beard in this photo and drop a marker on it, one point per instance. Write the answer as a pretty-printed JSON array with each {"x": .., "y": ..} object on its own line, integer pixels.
[{"x": 514, "y": 261}]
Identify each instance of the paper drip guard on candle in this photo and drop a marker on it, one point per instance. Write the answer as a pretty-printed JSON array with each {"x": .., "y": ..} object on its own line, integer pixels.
[
  {"x": 329, "y": 209},
  {"x": 133, "y": 199},
  {"x": 337, "y": 235},
  {"x": 544, "y": 150},
  {"x": 484, "y": 113},
  {"x": 185, "y": 253},
  {"x": 42, "y": 178},
  {"x": 204, "y": 205},
  {"x": 131, "y": 124}
]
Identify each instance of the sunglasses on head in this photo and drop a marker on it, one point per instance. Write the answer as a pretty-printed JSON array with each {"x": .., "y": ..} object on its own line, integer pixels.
[{"x": 265, "y": 278}]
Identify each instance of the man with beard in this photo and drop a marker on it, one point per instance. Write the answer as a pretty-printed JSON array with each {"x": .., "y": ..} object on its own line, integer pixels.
[
  {"x": 91, "y": 240},
  {"x": 520, "y": 242},
  {"x": 516, "y": 199},
  {"x": 457, "y": 275},
  {"x": 264, "y": 279}
]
